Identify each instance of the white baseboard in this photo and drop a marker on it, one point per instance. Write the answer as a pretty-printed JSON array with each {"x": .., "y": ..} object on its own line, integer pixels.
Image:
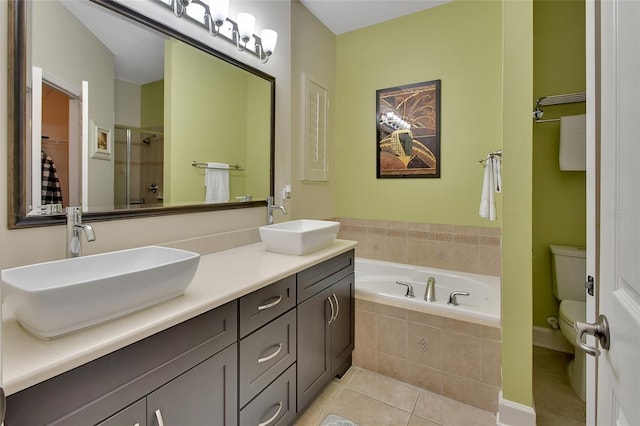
[
  {"x": 513, "y": 414},
  {"x": 549, "y": 338}
]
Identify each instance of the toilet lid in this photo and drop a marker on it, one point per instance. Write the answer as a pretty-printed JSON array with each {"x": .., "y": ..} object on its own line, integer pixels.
[{"x": 572, "y": 310}]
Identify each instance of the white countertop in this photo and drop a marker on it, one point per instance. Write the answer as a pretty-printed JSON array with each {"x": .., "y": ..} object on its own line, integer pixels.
[{"x": 221, "y": 277}]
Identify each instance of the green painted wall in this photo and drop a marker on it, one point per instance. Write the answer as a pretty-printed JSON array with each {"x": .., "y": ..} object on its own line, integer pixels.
[
  {"x": 152, "y": 104},
  {"x": 258, "y": 140},
  {"x": 459, "y": 43},
  {"x": 559, "y": 197},
  {"x": 517, "y": 298},
  {"x": 202, "y": 89}
]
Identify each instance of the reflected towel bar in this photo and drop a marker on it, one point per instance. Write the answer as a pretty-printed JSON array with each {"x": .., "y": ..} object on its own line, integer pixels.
[{"x": 205, "y": 166}]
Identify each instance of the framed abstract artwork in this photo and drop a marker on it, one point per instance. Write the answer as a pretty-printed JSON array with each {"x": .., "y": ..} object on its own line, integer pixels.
[{"x": 408, "y": 131}]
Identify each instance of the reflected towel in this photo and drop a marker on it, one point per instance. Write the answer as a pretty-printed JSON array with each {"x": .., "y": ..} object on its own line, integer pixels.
[
  {"x": 216, "y": 181},
  {"x": 573, "y": 142},
  {"x": 491, "y": 184}
]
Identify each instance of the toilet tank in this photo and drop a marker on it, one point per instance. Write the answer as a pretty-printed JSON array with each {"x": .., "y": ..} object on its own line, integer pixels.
[{"x": 568, "y": 266}]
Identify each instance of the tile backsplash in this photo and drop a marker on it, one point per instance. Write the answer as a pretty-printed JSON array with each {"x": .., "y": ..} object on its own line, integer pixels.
[{"x": 461, "y": 248}]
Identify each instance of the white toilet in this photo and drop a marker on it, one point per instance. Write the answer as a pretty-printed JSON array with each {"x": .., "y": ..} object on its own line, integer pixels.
[{"x": 569, "y": 271}]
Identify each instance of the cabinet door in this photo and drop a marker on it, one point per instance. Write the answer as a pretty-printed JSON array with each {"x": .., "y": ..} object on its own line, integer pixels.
[
  {"x": 342, "y": 327},
  {"x": 314, "y": 346},
  {"x": 205, "y": 395}
]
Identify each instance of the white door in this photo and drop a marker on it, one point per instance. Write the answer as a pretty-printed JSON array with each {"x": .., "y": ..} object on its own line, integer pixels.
[{"x": 619, "y": 252}]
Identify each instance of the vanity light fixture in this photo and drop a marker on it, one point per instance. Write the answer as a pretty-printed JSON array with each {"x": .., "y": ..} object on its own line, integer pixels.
[{"x": 215, "y": 18}]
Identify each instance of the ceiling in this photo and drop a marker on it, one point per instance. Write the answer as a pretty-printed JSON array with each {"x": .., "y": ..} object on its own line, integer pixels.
[{"x": 342, "y": 16}]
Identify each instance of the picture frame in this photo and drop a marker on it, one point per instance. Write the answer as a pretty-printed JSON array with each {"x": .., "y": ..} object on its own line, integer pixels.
[
  {"x": 408, "y": 131},
  {"x": 102, "y": 142}
]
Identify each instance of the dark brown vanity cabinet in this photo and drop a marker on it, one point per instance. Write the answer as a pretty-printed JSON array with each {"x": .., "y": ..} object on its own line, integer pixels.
[
  {"x": 188, "y": 372},
  {"x": 325, "y": 325},
  {"x": 259, "y": 359}
]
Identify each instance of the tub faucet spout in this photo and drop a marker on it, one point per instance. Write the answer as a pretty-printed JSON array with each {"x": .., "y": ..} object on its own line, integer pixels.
[
  {"x": 409, "y": 288},
  {"x": 452, "y": 297},
  {"x": 430, "y": 292}
]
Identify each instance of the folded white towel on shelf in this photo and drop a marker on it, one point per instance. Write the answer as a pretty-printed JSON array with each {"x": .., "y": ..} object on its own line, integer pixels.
[
  {"x": 491, "y": 184},
  {"x": 216, "y": 181}
]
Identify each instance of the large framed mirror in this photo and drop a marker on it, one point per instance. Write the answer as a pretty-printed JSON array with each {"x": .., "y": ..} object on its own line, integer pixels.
[{"x": 123, "y": 115}]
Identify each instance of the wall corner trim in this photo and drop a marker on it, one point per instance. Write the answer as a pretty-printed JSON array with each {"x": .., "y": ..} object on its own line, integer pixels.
[{"x": 513, "y": 414}]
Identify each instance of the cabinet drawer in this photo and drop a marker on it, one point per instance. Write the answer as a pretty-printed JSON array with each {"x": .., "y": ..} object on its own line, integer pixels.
[
  {"x": 133, "y": 415},
  {"x": 265, "y": 354},
  {"x": 321, "y": 276},
  {"x": 276, "y": 405},
  {"x": 261, "y": 306}
]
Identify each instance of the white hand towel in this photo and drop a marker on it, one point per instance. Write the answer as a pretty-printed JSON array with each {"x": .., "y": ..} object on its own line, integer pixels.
[
  {"x": 491, "y": 184},
  {"x": 216, "y": 181},
  {"x": 573, "y": 142}
]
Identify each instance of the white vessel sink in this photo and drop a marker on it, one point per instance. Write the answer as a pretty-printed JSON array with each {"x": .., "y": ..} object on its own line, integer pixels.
[
  {"x": 55, "y": 298},
  {"x": 299, "y": 236}
]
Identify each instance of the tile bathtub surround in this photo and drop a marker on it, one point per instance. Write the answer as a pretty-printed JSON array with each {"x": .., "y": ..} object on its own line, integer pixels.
[
  {"x": 461, "y": 248},
  {"x": 455, "y": 359}
]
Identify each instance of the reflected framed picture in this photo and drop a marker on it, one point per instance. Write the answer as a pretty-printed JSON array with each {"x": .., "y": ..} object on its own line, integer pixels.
[
  {"x": 408, "y": 131},
  {"x": 102, "y": 143}
]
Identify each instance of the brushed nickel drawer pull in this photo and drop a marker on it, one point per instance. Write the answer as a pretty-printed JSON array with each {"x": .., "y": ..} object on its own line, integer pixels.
[
  {"x": 159, "y": 417},
  {"x": 332, "y": 310},
  {"x": 268, "y": 357},
  {"x": 276, "y": 300},
  {"x": 275, "y": 416}
]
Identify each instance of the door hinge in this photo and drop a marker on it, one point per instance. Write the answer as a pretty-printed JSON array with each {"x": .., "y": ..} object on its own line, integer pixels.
[{"x": 589, "y": 285}]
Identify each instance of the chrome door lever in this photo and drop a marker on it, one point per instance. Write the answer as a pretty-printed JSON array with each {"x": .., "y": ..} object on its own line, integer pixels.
[{"x": 600, "y": 330}]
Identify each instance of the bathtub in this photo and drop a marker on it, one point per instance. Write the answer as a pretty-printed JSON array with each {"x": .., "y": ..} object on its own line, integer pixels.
[{"x": 375, "y": 281}]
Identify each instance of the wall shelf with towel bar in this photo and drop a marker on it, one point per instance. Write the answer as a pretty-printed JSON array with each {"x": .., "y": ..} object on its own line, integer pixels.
[
  {"x": 206, "y": 166},
  {"x": 568, "y": 98}
]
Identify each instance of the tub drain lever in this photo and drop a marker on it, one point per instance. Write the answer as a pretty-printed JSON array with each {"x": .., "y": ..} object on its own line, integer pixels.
[{"x": 409, "y": 288}]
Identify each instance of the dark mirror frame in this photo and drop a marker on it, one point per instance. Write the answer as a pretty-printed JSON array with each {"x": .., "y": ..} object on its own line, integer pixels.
[{"x": 17, "y": 128}]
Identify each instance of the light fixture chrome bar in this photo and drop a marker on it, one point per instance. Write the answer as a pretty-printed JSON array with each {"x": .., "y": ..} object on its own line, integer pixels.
[{"x": 227, "y": 29}]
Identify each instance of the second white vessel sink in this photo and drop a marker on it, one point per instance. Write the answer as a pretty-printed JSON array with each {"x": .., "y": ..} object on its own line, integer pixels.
[
  {"x": 55, "y": 298},
  {"x": 299, "y": 237}
]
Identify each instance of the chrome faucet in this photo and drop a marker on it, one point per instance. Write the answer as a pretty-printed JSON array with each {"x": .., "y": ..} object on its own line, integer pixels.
[
  {"x": 409, "y": 292},
  {"x": 452, "y": 297},
  {"x": 430, "y": 292},
  {"x": 271, "y": 207},
  {"x": 74, "y": 225}
]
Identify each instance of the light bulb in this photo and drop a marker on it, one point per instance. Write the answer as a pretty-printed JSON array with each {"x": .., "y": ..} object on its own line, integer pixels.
[
  {"x": 219, "y": 10},
  {"x": 246, "y": 23},
  {"x": 269, "y": 40}
]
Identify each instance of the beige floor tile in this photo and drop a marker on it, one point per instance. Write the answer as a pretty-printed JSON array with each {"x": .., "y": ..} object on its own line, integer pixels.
[
  {"x": 366, "y": 411},
  {"x": 555, "y": 394},
  {"x": 314, "y": 414},
  {"x": 545, "y": 418},
  {"x": 384, "y": 389},
  {"x": 550, "y": 361},
  {"x": 419, "y": 421},
  {"x": 431, "y": 406}
]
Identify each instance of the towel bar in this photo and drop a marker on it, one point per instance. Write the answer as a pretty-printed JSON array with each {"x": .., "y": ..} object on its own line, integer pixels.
[{"x": 194, "y": 163}]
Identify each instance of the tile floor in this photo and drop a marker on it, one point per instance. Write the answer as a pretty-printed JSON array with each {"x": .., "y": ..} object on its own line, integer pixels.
[
  {"x": 555, "y": 401},
  {"x": 371, "y": 399}
]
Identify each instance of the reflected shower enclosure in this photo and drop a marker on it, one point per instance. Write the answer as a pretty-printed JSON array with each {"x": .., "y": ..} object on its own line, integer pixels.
[{"x": 139, "y": 158}]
